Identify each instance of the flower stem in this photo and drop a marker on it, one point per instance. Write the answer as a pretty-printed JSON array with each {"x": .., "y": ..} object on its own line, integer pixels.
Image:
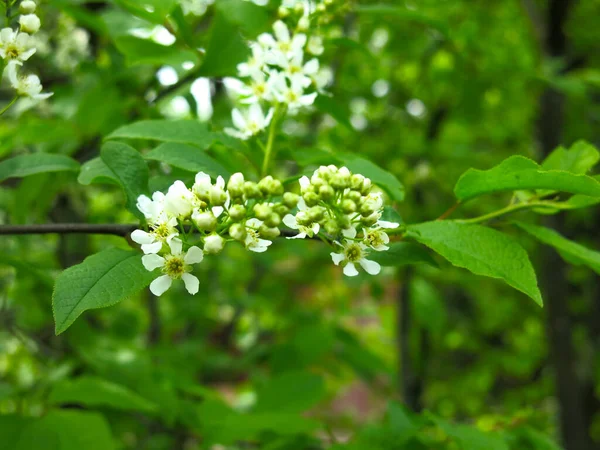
[
  {"x": 513, "y": 208},
  {"x": 7, "y": 107},
  {"x": 270, "y": 141}
]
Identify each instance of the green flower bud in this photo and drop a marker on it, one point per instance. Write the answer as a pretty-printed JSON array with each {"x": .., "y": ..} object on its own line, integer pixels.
[
  {"x": 356, "y": 182},
  {"x": 310, "y": 198},
  {"x": 268, "y": 232},
  {"x": 355, "y": 196},
  {"x": 237, "y": 213},
  {"x": 303, "y": 218},
  {"x": 273, "y": 220},
  {"x": 283, "y": 12},
  {"x": 262, "y": 211},
  {"x": 332, "y": 227},
  {"x": 368, "y": 207},
  {"x": 281, "y": 209},
  {"x": 290, "y": 200},
  {"x": 238, "y": 232},
  {"x": 326, "y": 192},
  {"x": 316, "y": 213},
  {"x": 213, "y": 244},
  {"x": 235, "y": 186},
  {"x": 206, "y": 221},
  {"x": 270, "y": 186},
  {"x": 371, "y": 220},
  {"x": 348, "y": 206},
  {"x": 251, "y": 190},
  {"x": 366, "y": 187},
  {"x": 344, "y": 222},
  {"x": 218, "y": 197}
]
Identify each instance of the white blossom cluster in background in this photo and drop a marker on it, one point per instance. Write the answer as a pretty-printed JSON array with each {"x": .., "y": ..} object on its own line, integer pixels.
[
  {"x": 283, "y": 71},
  {"x": 344, "y": 206},
  {"x": 199, "y": 7},
  {"x": 187, "y": 223},
  {"x": 72, "y": 44},
  {"x": 16, "y": 47}
]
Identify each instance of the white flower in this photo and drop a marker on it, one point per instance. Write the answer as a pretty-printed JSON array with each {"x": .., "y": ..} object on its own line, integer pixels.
[
  {"x": 15, "y": 45},
  {"x": 174, "y": 266},
  {"x": 213, "y": 244},
  {"x": 293, "y": 95},
  {"x": 152, "y": 209},
  {"x": 27, "y": 6},
  {"x": 323, "y": 78},
  {"x": 376, "y": 239},
  {"x": 160, "y": 233},
  {"x": 255, "y": 64},
  {"x": 30, "y": 23},
  {"x": 282, "y": 42},
  {"x": 250, "y": 122},
  {"x": 25, "y": 85},
  {"x": 315, "y": 45},
  {"x": 195, "y": 7},
  {"x": 354, "y": 253},
  {"x": 292, "y": 222},
  {"x": 179, "y": 201},
  {"x": 253, "y": 241}
]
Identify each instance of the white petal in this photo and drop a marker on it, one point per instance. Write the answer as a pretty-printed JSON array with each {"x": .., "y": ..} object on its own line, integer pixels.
[
  {"x": 337, "y": 258},
  {"x": 152, "y": 262},
  {"x": 152, "y": 248},
  {"x": 141, "y": 237},
  {"x": 258, "y": 249},
  {"x": 315, "y": 228},
  {"x": 192, "y": 284},
  {"x": 387, "y": 225},
  {"x": 350, "y": 270},
  {"x": 290, "y": 221},
  {"x": 238, "y": 119},
  {"x": 281, "y": 31},
  {"x": 298, "y": 236},
  {"x": 176, "y": 246},
  {"x": 193, "y": 256},
  {"x": 311, "y": 67},
  {"x": 160, "y": 285},
  {"x": 307, "y": 100},
  {"x": 371, "y": 267},
  {"x": 304, "y": 182},
  {"x": 350, "y": 233}
]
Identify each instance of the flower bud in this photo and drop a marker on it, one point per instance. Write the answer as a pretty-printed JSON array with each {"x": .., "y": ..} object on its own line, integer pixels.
[
  {"x": 339, "y": 181},
  {"x": 27, "y": 7},
  {"x": 326, "y": 192},
  {"x": 213, "y": 244},
  {"x": 348, "y": 206},
  {"x": 273, "y": 220},
  {"x": 237, "y": 213},
  {"x": 268, "y": 232},
  {"x": 303, "y": 23},
  {"x": 302, "y": 218},
  {"x": 311, "y": 198},
  {"x": 332, "y": 227},
  {"x": 283, "y": 12},
  {"x": 316, "y": 213},
  {"x": 366, "y": 187},
  {"x": 371, "y": 220},
  {"x": 270, "y": 186},
  {"x": 317, "y": 181},
  {"x": 344, "y": 222},
  {"x": 290, "y": 200},
  {"x": 238, "y": 232},
  {"x": 206, "y": 221},
  {"x": 30, "y": 23},
  {"x": 218, "y": 196},
  {"x": 235, "y": 186},
  {"x": 356, "y": 181},
  {"x": 355, "y": 196},
  {"x": 281, "y": 209},
  {"x": 251, "y": 190},
  {"x": 262, "y": 211}
]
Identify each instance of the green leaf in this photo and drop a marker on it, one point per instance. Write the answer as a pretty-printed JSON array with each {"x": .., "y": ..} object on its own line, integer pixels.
[
  {"x": 187, "y": 158},
  {"x": 250, "y": 18},
  {"x": 328, "y": 105},
  {"x": 402, "y": 254},
  {"x": 225, "y": 50},
  {"x": 518, "y": 172},
  {"x": 571, "y": 251},
  {"x": 25, "y": 165},
  {"x": 180, "y": 131},
  {"x": 276, "y": 395},
  {"x": 379, "y": 176},
  {"x": 155, "y": 11},
  {"x": 579, "y": 159},
  {"x": 394, "y": 12},
  {"x": 471, "y": 438},
  {"x": 101, "y": 280},
  {"x": 481, "y": 250},
  {"x": 96, "y": 171},
  {"x": 145, "y": 51},
  {"x": 130, "y": 169},
  {"x": 95, "y": 392}
]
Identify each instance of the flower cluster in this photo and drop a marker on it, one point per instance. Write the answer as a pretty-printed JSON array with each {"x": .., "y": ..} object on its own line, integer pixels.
[
  {"x": 277, "y": 74},
  {"x": 72, "y": 44},
  {"x": 343, "y": 205},
  {"x": 201, "y": 219},
  {"x": 17, "y": 46}
]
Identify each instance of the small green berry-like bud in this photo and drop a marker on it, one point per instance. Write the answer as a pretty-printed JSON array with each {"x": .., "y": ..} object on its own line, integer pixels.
[
  {"x": 281, "y": 209},
  {"x": 355, "y": 196},
  {"x": 348, "y": 206},
  {"x": 356, "y": 181},
  {"x": 238, "y": 232},
  {"x": 237, "y": 213},
  {"x": 262, "y": 211},
  {"x": 311, "y": 198},
  {"x": 344, "y": 222},
  {"x": 251, "y": 190},
  {"x": 303, "y": 218},
  {"x": 283, "y": 12},
  {"x": 326, "y": 192},
  {"x": 268, "y": 232},
  {"x": 332, "y": 227},
  {"x": 264, "y": 184},
  {"x": 206, "y": 221},
  {"x": 27, "y": 7},
  {"x": 371, "y": 220},
  {"x": 303, "y": 23},
  {"x": 235, "y": 186},
  {"x": 316, "y": 213},
  {"x": 366, "y": 187},
  {"x": 290, "y": 200},
  {"x": 274, "y": 220},
  {"x": 218, "y": 197},
  {"x": 213, "y": 244}
]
